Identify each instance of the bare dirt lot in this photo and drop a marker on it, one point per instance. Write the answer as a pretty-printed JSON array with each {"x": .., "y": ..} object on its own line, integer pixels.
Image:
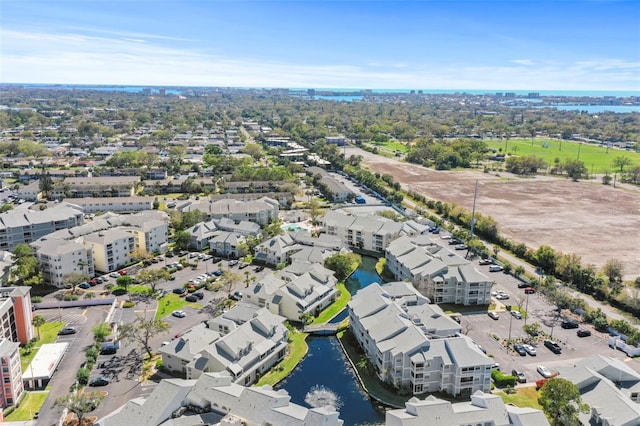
[{"x": 594, "y": 221}]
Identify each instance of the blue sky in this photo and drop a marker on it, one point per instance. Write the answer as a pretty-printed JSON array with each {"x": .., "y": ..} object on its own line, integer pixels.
[{"x": 475, "y": 44}]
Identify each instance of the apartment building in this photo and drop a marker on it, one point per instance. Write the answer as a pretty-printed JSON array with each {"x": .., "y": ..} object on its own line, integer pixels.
[
  {"x": 203, "y": 232},
  {"x": 370, "y": 233},
  {"x": 10, "y": 374},
  {"x": 111, "y": 204},
  {"x": 111, "y": 248},
  {"x": 227, "y": 244},
  {"x": 413, "y": 344},
  {"x": 23, "y": 226},
  {"x": 483, "y": 409},
  {"x": 60, "y": 257},
  {"x": 101, "y": 186},
  {"x": 440, "y": 274},
  {"x": 261, "y": 211},
  {"x": 221, "y": 402},
  {"x": 15, "y": 314},
  {"x": 299, "y": 245},
  {"x": 29, "y": 192},
  {"x": 297, "y": 290}
]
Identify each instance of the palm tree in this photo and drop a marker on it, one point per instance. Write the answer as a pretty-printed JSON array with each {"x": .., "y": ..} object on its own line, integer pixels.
[{"x": 39, "y": 321}]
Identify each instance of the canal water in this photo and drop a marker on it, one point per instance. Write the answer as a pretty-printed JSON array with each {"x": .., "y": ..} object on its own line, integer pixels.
[{"x": 325, "y": 368}]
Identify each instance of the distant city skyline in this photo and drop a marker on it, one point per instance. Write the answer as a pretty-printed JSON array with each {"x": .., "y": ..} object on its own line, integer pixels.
[{"x": 590, "y": 45}]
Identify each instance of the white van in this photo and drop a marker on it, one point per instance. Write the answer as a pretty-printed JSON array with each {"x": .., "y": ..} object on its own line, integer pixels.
[{"x": 495, "y": 268}]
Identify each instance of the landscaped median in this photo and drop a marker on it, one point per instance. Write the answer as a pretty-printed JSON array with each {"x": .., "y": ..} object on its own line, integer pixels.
[{"x": 172, "y": 302}]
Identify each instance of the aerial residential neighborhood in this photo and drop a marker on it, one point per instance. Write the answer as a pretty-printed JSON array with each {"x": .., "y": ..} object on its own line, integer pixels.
[{"x": 210, "y": 271}]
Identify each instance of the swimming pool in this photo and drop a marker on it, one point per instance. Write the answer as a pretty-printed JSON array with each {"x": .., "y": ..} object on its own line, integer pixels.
[{"x": 293, "y": 227}]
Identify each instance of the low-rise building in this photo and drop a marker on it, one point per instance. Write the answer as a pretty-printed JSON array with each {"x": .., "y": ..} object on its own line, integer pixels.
[
  {"x": 112, "y": 204},
  {"x": 298, "y": 290},
  {"x": 227, "y": 244},
  {"x": 442, "y": 275},
  {"x": 10, "y": 374},
  {"x": 370, "y": 233},
  {"x": 483, "y": 409},
  {"x": 299, "y": 245},
  {"x": 610, "y": 387},
  {"x": 203, "y": 232},
  {"x": 101, "y": 186},
  {"x": 221, "y": 402},
  {"x": 261, "y": 211},
  {"x": 413, "y": 344},
  {"x": 182, "y": 350},
  {"x": 23, "y": 226},
  {"x": 29, "y": 192}
]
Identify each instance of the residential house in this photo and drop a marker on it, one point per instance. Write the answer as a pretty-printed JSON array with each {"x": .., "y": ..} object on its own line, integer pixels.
[
  {"x": 10, "y": 374},
  {"x": 220, "y": 401},
  {"x": 442, "y": 275},
  {"x": 483, "y": 409},
  {"x": 610, "y": 387},
  {"x": 22, "y": 226},
  {"x": 298, "y": 290},
  {"x": 413, "y": 344}
]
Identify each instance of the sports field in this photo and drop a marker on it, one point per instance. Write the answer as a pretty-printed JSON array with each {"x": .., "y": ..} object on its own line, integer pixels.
[{"x": 597, "y": 159}]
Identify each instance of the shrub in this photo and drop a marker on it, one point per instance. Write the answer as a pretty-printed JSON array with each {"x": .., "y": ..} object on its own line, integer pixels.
[
  {"x": 502, "y": 380},
  {"x": 159, "y": 364},
  {"x": 70, "y": 297},
  {"x": 128, "y": 304},
  {"x": 92, "y": 354},
  {"x": 83, "y": 376},
  {"x": 36, "y": 299}
]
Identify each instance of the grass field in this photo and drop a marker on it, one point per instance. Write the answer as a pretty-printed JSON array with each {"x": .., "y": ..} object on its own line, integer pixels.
[
  {"x": 524, "y": 397},
  {"x": 295, "y": 353},
  {"x": 30, "y": 404},
  {"x": 172, "y": 302},
  {"x": 336, "y": 307},
  {"x": 597, "y": 159}
]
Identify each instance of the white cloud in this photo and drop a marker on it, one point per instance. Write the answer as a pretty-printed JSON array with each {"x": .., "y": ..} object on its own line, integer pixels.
[{"x": 125, "y": 58}]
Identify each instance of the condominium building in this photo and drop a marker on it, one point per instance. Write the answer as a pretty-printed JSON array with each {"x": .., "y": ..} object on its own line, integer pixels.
[
  {"x": 23, "y": 226},
  {"x": 112, "y": 204},
  {"x": 60, "y": 257},
  {"x": 299, "y": 245},
  {"x": 221, "y": 402},
  {"x": 483, "y": 409},
  {"x": 111, "y": 249},
  {"x": 102, "y": 186},
  {"x": 298, "y": 290},
  {"x": 261, "y": 211},
  {"x": 10, "y": 373},
  {"x": 370, "y": 233},
  {"x": 15, "y": 314},
  {"x": 414, "y": 345},
  {"x": 440, "y": 274}
]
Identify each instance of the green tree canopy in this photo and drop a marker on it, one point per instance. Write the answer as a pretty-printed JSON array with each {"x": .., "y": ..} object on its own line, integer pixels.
[
  {"x": 343, "y": 264},
  {"x": 141, "y": 330},
  {"x": 561, "y": 402}
]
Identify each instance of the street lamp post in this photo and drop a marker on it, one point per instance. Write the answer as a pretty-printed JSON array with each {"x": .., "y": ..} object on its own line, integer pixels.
[
  {"x": 526, "y": 309},
  {"x": 510, "y": 321}
]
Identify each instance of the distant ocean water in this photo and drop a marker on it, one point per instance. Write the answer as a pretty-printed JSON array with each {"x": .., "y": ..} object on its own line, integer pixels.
[{"x": 178, "y": 89}]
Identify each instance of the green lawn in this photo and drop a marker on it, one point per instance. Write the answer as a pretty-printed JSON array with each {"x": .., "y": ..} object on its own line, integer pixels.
[
  {"x": 595, "y": 158},
  {"x": 30, "y": 405},
  {"x": 524, "y": 397},
  {"x": 172, "y": 302},
  {"x": 393, "y": 145},
  {"x": 336, "y": 307},
  {"x": 48, "y": 334},
  {"x": 295, "y": 353}
]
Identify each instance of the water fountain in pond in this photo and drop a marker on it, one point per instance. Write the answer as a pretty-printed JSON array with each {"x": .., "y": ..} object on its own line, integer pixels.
[{"x": 319, "y": 396}]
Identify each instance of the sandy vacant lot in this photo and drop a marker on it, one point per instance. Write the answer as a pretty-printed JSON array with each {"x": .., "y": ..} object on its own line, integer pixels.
[{"x": 594, "y": 221}]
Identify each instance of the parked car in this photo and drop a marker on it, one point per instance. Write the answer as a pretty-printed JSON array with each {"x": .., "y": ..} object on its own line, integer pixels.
[
  {"x": 179, "y": 290},
  {"x": 100, "y": 381},
  {"x": 530, "y": 350},
  {"x": 540, "y": 383},
  {"x": 217, "y": 273},
  {"x": 122, "y": 272},
  {"x": 84, "y": 285},
  {"x": 569, "y": 324},
  {"x": 583, "y": 332},
  {"x": 516, "y": 314},
  {"x": 461, "y": 247},
  {"x": 216, "y": 260},
  {"x": 259, "y": 269},
  {"x": 553, "y": 346},
  {"x": 493, "y": 315},
  {"x": 544, "y": 371},
  {"x": 523, "y": 285},
  {"x": 529, "y": 290},
  {"x": 67, "y": 330},
  {"x": 485, "y": 262},
  {"x": 495, "y": 268},
  {"x": 191, "y": 298},
  {"x": 178, "y": 314},
  {"x": 520, "y": 350},
  {"x": 108, "y": 348},
  {"x": 236, "y": 295},
  {"x": 114, "y": 275},
  {"x": 199, "y": 295},
  {"x": 519, "y": 375},
  {"x": 233, "y": 262}
]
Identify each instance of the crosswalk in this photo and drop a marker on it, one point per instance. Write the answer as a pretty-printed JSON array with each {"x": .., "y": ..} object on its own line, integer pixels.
[{"x": 70, "y": 319}]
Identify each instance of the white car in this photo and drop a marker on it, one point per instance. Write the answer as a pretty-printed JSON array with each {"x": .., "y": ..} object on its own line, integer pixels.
[
  {"x": 544, "y": 371},
  {"x": 516, "y": 314},
  {"x": 178, "y": 314},
  {"x": 530, "y": 350}
]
